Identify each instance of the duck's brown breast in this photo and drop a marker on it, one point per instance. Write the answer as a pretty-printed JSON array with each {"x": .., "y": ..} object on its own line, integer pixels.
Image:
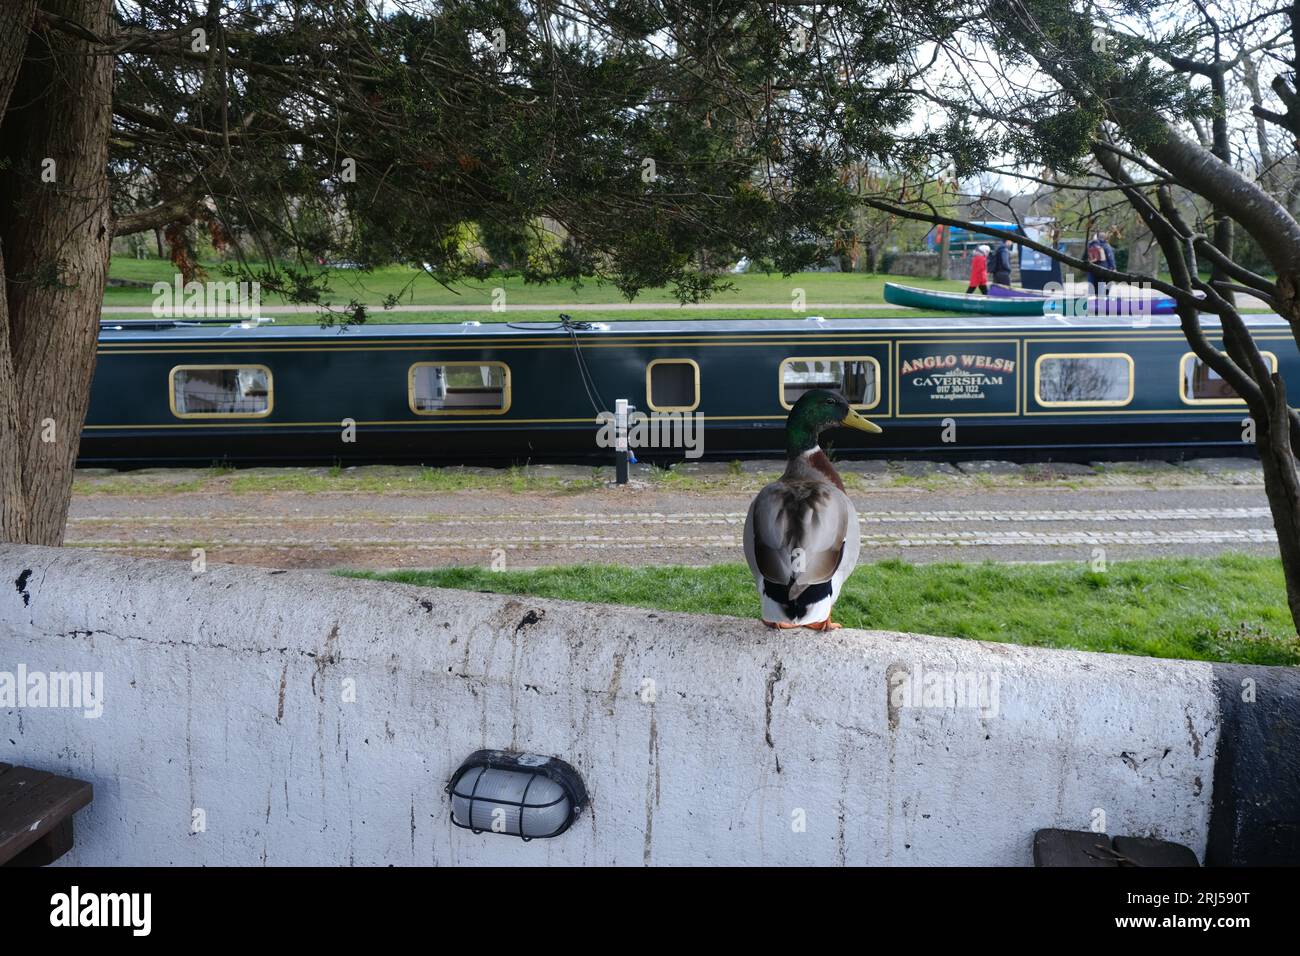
[{"x": 821, "y": 463}]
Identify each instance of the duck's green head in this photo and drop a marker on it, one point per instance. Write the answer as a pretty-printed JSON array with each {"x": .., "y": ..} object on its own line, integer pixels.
[{"x": 815, "y": 412}]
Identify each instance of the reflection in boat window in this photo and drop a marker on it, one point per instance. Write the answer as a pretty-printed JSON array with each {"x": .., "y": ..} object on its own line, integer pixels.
[
  {"x": 459, "y": 387},
  {"x": 853, "y": 377},
  {"x": 1083, "y": 379},
  {"x": 1200, "y": 383},
  {"x": 234, "y": 391}
]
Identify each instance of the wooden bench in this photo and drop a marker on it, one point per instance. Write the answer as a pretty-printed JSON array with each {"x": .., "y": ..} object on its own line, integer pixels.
[{"x": 36, "y": 811}]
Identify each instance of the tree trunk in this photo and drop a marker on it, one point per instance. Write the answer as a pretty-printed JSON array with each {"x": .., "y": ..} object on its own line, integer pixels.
[
  {"x": 1278, "y": 234},
  {"x": 55, "y": 233},
  {"x": 1282, "y": 486},
  {"x": 1268, "y": 175},
  {"x": 1224, "y": 232},
  {"x": 13, "y": 508},
  {"x": 14, "y": 29}
]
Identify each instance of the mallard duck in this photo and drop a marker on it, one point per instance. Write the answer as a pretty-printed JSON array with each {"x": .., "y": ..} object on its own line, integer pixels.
[{"x": 801, "y": 533}]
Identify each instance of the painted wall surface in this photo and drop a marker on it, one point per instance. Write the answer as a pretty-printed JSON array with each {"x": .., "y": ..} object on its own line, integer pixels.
[{"x": 310, "y": 719}]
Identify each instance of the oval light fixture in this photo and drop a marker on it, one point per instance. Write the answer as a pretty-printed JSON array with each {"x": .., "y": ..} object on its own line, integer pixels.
[{"x": 524, "y": 795}]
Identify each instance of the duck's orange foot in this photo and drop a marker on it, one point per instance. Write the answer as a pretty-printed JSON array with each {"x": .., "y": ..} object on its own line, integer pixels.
[
  {"x": 782, "y": 625},
  {"x": 826, "y": 625}
]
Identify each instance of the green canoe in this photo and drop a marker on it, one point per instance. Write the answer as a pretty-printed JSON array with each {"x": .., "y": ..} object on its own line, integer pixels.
[{"x": 960, "y": 302}]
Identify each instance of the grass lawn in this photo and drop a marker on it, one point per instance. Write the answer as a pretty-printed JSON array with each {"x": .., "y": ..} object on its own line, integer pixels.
[
  {"x": 833, "y": 287},
  {"x": 770, "y": 291},
  {"x": 1229, "y": 608},
  {"x": 220, "y": 480},
  {"x": 378, "y": 316}
]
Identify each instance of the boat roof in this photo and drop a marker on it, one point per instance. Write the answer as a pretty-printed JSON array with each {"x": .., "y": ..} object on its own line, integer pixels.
[{"x": 114, "y": 330}]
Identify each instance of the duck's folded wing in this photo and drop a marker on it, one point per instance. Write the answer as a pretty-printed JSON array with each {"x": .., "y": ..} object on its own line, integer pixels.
[{"x": 798, "y": 542}]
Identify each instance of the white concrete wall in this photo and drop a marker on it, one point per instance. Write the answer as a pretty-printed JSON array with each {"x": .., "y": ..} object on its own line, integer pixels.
[{"x": 222, "y": 692}]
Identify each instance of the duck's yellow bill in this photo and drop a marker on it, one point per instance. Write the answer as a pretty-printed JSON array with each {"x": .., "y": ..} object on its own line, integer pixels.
[{"x": 854, "y": 420}]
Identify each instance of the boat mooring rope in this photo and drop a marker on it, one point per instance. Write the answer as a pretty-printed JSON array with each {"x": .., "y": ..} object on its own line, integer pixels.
[{"x": 573, "y": 326}]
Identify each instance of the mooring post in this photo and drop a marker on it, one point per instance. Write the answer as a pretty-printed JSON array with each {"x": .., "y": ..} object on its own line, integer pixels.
[{"x": 620, "y": 441}]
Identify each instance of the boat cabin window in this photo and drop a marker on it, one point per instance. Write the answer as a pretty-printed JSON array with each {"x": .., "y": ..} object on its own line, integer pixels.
[
  {"x": 1092, "y": 378},
  {"x": 459, "y": 388},
  {"x": 672, "y": 385},
  {"x": 855, "y": 377},
  {"x": 1201, "y": 385},
  {"x": 221, "y": 391}
]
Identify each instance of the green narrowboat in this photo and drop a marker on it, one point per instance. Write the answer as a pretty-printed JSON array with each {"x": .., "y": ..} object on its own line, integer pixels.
[{"x": 955, "y": 387}]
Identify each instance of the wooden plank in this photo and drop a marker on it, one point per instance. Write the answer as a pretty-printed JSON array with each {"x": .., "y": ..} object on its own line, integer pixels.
[
  {"x": 1073, "y": 848},
  {"x": 47, "y": 849},
  {"x": 33, "y": 804},
  {"x": 1145, "y": 851},
  {"x": 18, "y": 785}
]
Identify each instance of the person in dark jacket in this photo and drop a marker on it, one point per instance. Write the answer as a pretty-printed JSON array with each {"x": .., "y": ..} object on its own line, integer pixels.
[
  {"x": 1002, "y": 263},
  {"x": 1109, "y": 250},
  {"x": 1100, "y": 253},
  {"x": 1095, "y": 256},
  {"x": 979, "y": 271}
]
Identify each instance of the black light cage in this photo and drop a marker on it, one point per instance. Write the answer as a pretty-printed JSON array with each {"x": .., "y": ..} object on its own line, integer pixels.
[{"x": 569, "y": 780}]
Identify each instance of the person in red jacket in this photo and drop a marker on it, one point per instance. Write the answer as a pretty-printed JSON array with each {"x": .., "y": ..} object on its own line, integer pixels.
[{"x": 979, "y": 272}]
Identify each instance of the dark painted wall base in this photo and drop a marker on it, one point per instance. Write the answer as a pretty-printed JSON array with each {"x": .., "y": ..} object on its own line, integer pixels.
[{"x": 1256, "y": 809}]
